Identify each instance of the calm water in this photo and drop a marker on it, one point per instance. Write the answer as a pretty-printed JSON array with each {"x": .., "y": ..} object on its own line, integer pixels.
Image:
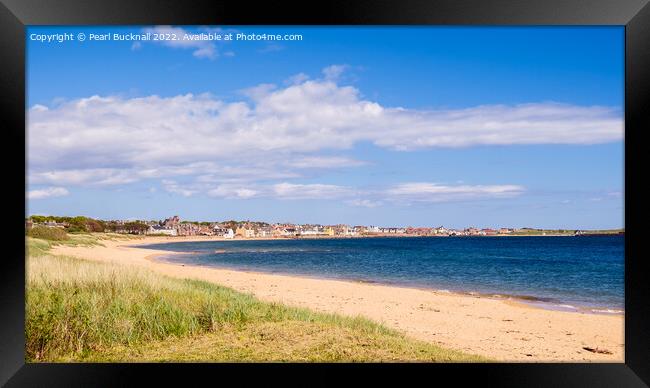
[{"x": 560, "y": 271}]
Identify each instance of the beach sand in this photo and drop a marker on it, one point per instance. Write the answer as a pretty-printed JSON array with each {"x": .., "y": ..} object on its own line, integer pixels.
[{"x": 503, "y": 330}]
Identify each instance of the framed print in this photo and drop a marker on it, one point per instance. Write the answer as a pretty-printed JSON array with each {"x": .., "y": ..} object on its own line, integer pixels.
[{"x": 384, "y": 189}]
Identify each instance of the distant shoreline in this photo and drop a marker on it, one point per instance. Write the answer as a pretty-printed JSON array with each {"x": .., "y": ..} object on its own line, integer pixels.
[{"x": 221, "y": 238}]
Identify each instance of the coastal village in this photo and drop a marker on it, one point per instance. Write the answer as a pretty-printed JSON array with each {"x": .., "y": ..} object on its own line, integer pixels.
[{"x": 174, "y": 226}]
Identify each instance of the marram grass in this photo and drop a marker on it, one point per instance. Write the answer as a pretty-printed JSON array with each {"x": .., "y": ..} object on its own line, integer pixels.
[
  {"x": 40, "y": 246},
  {"x": 78, "y": 310}
]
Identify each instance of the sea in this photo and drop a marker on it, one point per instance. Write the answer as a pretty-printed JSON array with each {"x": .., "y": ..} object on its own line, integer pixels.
[{"x": 573, "y": 273}]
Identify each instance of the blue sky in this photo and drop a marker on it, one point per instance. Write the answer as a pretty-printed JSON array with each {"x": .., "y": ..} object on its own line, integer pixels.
[{"x": 422, "y": 126}]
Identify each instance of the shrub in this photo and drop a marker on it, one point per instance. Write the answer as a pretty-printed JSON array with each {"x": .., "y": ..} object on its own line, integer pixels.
[
  {"x": 95, "y": 225},
  {"x": 46, "y": 233}
]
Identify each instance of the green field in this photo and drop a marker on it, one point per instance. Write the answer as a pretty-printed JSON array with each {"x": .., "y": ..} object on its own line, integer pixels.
[
  {"x": 84, "y": 311},
  {"x": 561, "y": 232}
]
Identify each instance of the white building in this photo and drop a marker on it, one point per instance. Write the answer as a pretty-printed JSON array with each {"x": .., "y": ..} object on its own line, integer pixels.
[
  {"x": 441, "y": 230},
  {"x": 265, "y": 232},
  {"x": 157, "y": 229}
]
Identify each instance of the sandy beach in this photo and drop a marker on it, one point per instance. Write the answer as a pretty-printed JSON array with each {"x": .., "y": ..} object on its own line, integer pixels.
[{"x": 504, "y": 330}]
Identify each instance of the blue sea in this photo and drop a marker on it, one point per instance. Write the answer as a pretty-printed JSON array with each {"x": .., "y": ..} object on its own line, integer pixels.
[{"x": 576, "y": 272}]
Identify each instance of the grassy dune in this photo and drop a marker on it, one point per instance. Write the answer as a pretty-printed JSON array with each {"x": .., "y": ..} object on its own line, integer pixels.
[
  {"x": 78, "y": 310},
  {"x": 40, "y": 247}
]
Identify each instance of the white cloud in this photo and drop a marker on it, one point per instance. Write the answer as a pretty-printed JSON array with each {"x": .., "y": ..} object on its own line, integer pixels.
[
  {"x": 324, "y": 162},
  {"x": 402, "y": 193},
  {"x": 260, "y": 91},
  {"x": 282, "y": 190},
  {"x": 433, "y": 192},
  {"x": 39, "y": 108},
  {"x": 47, "y": 193},
  {"x": 364, "y": 203},
  {"x": 274, "y": 133},
  {"x": 297, "y": 79},
  {"x": 333, "y": 72},
  {"x": 97, "y": 176},
  {"x": 173, "y": 187},
  {"x": 233, "y": 191},
  {"x": 309, "y": 191}
]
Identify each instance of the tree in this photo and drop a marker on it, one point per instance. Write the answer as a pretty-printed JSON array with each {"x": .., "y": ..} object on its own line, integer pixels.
[
  {"x": 136, "y": 227},
  {"x": 95, "y": 225},
  {"x": 40, "y": 219}
]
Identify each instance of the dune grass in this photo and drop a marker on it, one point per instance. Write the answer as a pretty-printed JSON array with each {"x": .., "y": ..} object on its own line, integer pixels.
[
  {"x": 39, "y": 246},
  {"x": 78, "y": 310}
]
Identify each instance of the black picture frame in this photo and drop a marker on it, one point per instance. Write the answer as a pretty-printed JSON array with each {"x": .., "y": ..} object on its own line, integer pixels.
[{"x": 15, "y": 15}]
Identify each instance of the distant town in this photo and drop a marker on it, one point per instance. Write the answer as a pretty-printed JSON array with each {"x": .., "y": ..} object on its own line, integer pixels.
[{"x": 174, "y": 226}]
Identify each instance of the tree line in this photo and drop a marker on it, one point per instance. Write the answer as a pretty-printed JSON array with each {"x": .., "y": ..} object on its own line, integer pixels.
[{"x": 81, "y": 224}]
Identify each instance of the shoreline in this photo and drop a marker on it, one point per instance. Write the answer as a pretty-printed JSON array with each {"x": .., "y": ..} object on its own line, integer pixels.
[
  {"x": 326, "y": 237},
  {"x": 499, "y": 328},
  {"x": 529, "y": 301}
]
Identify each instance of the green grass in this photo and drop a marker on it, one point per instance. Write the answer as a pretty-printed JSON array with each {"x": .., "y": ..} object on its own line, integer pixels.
[
  {"x": 37, "y": 247},
  {"x": 606, "y": 231},
  {"x": 571, "y": 232},
  {"x": 78, "y": 310},
  {"x": 40, "y": 246}
]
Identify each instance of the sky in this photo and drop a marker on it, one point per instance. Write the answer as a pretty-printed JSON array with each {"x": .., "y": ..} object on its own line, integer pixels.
[{"x": 386, "y": 126}]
